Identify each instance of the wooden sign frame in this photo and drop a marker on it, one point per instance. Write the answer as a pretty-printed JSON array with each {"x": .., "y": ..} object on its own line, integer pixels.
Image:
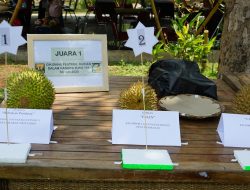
[{"x": 73, "y": 62}]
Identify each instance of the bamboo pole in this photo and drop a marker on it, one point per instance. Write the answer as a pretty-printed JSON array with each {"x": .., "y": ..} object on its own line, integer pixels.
[
  {"x": 210, "y": 15},
  {"x": 158, "y": 25},
  {"x": 204, "y": 59},
  {"x": 17, "y": 8}
]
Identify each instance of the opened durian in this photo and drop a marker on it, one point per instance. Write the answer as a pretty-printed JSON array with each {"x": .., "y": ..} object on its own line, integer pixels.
[
  {"x": 29, "y": 89},
  {"x": 132, "y": 98},
  {"x": 241, "y": 102}
]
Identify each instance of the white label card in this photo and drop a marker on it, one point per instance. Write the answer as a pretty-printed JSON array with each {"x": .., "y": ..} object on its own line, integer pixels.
[
  {"x": 234, "y": 130},
  {"x": 162, "y": 128},
  {"x": 26, "y": 125}
]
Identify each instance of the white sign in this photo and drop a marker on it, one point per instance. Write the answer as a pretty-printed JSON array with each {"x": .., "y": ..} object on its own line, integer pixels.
[
  {"x": 234, "y": 130},
  {"x": 162, "y": 127},
  {"x": 243, "y": 157},
  {"x": 14, "y": 153},
  {"x": 26, "y": 125},
  {"x": 74, "y": 63},
  {"x": 141, "y": 39},
  {"x": 10, "y": 38}
]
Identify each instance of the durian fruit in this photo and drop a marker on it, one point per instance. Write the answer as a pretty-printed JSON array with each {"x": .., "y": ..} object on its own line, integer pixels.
[
  {"x": 1, "y": 94},
  {"x": 241, "y": 102},
  {"x": 132, "y": 98},
  {"x": 29, "y": 89}
]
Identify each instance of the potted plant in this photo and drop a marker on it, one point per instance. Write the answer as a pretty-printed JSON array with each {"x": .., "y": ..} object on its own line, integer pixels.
[{"x": 189, "y": 46}]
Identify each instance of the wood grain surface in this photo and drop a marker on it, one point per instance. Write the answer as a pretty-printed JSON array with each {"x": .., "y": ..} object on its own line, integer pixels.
[{"x": 83, "y": 151}]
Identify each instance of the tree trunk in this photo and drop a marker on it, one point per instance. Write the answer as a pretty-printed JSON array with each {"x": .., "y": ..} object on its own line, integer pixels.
[{"x": 235, "y": 42}]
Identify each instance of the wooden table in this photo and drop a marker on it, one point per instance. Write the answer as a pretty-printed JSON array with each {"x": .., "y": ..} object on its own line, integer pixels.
[{"x": 84, "y": 159}]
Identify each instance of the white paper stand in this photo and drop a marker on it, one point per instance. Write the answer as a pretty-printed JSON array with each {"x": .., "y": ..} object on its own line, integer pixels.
[
  {"x": 163, "y": 129},
  {"x": 26, "y": 126},
  {"x": 146, "y": 159},
  {"x": 243, "y": 157},
  {"x": 14, "y": 153},
  {"x": 234, "y": 130}
]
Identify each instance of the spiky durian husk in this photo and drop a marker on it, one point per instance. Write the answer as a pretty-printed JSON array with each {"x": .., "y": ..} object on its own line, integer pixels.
[
  {"x": 29, "y": 89},
  {"x": 241, "y": 102},
  {"x": 131, "y": 98},
  {"x": 1, "y": 95}
]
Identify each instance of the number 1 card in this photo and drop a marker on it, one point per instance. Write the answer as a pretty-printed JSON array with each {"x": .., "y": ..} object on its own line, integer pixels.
[{"x": 10, "y": 38}]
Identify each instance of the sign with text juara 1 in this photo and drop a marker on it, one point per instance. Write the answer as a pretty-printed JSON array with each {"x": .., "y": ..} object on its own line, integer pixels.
[
  {"x": 74, "y": 63},
  {"x": 234, "y": 130},
  {"x": 26, "y": 125},
  {"x": 162, "y": 127}
]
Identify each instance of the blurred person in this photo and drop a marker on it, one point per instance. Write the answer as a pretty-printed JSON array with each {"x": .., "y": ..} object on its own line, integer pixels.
[{"x": 50, "y": 17}]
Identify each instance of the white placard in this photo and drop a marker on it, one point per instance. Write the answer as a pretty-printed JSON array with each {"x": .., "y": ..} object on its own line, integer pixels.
[
  {"x": 234, "y": 130},
  {"x": 26, "y": 125},
  {"x": 162, "y": 127},
  {"x": 10, "y": 38},
  {"x": 14, "y": 153},
  {"x": 243, "y": 157}
]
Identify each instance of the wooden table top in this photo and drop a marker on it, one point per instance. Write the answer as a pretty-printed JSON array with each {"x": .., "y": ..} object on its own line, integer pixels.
[{"x": 83, "y": 151}]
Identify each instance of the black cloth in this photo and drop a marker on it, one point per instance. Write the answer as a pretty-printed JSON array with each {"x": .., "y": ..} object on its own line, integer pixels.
[{"x": 171, "y": 77}]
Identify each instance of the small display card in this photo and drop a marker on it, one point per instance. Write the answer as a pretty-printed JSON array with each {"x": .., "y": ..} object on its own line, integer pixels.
[
  {"x": 160, "y": 128},
  {"x": 146, "y": 159},
  {"x": 14, "y": 153},
  {"x": 26, "y": 125},
  {"x": 10, "y": 38},
  {"x": 234, "y": 130},
  {"x": 243, "y": 157}
]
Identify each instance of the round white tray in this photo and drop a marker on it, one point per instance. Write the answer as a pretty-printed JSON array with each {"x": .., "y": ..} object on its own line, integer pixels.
[{"x": 191, "y": 106}]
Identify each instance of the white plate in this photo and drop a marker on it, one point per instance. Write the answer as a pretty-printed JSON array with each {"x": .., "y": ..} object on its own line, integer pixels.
[{"x": 191, "y": 106}]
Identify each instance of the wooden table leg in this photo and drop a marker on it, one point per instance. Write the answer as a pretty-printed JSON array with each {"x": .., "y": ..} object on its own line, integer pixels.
[{"x": 4, "y": 184}]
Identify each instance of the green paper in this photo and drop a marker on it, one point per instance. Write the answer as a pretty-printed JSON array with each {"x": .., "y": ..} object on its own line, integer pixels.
[
  {"x": 148, "y": 167},
  {"x": 247, "y": 168}
]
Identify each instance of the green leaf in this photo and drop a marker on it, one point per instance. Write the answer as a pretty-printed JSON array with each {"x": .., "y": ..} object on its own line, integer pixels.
[
  {"x": 185, "y": 29},
  {"x": 194, "y": 20},
  {"x": 158, "y": 33},
  {"x": 183, "y": 19},
  {"x": 180, "y": 35}
]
